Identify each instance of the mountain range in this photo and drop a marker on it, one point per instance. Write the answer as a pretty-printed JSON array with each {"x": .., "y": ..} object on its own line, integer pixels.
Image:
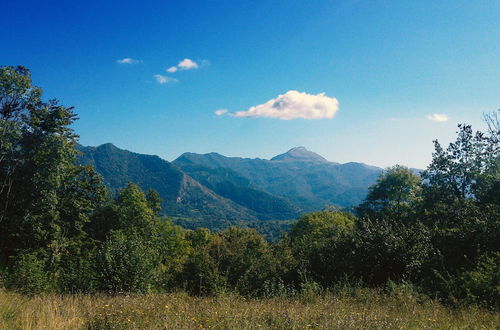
[{"x": 216, "y": 191}]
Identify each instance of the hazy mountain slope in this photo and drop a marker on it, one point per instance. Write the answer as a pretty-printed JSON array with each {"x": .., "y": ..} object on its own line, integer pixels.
[
  {"x": 183, "y": 196},
  {"x": 216, "y": 191},
  {"x": 299, "y": 154},
  {"x": 237, "y": 188},
  {"x": 301, "y": 176}
]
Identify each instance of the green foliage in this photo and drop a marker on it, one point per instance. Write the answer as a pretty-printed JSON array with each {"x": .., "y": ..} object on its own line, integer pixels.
[
  {"x": 125, "y": 264},
  {"x": 154, "y": 201},
  {"x": 480, "y": 285},
  {"x": 395, "y": 195},
  {"x": 28, "y": 274},
  {"x": 130, "y": 212},
  {"x": 77, "y": 273},
  {"x": 245, "y": 259},
  {"x": 133, "y": 211},
  {"x": 461, "y": 206},
  {"x": 387, "y": 250},
  {"x": 172, "y": 250},
  {"x": 200, "y": 274},
  {"x": 313, "y": 227},
  {"x": 317, "y": 243},
  {"x": 47, "y": 200}
]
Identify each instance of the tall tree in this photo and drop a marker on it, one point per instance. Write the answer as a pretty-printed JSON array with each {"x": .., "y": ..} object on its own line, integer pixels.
[
  {"x": 46, "y": 198},
  {"x": 394, "y": 196},
  {"x": 461, "y": 188},
  {"x": 17, "y": 96}
]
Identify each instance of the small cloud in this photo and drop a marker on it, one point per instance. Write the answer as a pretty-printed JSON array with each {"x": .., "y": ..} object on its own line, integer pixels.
[
  {"x": 164, "y": 79},
  {"x": 127, "y": 60},
  {"x": 438, "y": 117},
  {"x": 187, "y": 64},
  {"x": 292, "y": 105},
  {"x": 220, "y": 112}
]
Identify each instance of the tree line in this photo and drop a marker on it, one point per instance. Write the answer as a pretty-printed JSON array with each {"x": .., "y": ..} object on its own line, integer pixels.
[{"x": 62, "y": 231}]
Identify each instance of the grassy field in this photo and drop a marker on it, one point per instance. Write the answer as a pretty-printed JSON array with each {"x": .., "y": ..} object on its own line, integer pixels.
[{"x": 361, "y": 310}]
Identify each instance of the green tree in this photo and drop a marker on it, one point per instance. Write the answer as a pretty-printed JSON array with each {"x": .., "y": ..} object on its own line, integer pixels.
[
  {"x": 17, "y": 96},
  {"x": 461, "y": 204},
  {"x": 46, "y": 157},
  {"x": 46, "y": 198},
  {"x": 134, "y": 211},
  {"x": 466, "y": 171},
  {"x": 245, "y": 259},
  {"x": 317, "y": 242},
  {"x": 200, "y": 274},
  {"x": 389, "y": 250},
  {"x": 395, "y": 195},
  {"x": 130, "y": 212},
  {"x": 27, "y": 274},
  {"x": 154, "y": 201},
  {"x": 125, "y": 263},
  {"x": 172, "y": 249}
]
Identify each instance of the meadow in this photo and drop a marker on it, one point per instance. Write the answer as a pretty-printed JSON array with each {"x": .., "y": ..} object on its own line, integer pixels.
[{"x": 353, "y": 309}]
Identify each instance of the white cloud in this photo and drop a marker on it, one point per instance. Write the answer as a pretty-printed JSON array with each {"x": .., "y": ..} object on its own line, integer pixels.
[
  {"x": 164, "y": 79},
  {"x": 186, "y": 64},
  {"x": 220, "y": 112},
  {"x": 437, "y": 117},
  {"x": 127, "y": 60},
  {"x": 292, "y": 105}
]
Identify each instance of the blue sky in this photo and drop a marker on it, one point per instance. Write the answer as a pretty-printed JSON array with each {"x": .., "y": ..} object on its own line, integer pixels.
[{"x": 388, "y": 64}]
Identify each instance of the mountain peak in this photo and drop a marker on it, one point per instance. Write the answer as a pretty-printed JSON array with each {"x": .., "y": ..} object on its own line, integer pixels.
[{"x": 299, "y": 154}]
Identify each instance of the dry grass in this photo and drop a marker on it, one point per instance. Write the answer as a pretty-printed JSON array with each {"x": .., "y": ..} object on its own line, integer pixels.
[{"x": 179, "y": 311}]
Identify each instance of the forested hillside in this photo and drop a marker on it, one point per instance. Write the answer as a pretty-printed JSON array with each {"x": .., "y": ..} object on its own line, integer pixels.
[
  {"x": 183, "y": 197},
  {"x": 214, "y": 191},
  {"x": 301, "y": 176}
]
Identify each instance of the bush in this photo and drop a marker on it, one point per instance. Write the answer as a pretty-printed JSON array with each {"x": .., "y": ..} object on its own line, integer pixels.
[
  {"x": 385, "y": 250},
  {"x": 317, "y": 244},
  {"x": 245, "y": 259},
  {"x": 125, "y": 264},
  {"x": 478, "y": 286},
  {"x": 27, "y": 275},
  {"x": 77, "y": 274}
]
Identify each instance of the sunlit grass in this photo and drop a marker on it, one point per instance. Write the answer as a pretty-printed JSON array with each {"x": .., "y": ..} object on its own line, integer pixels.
[{"x": 367, "y": 309}]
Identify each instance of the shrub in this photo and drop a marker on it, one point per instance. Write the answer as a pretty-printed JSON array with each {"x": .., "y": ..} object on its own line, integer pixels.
[
  {"x": 479, "y": 286},
  {"x": 386, "y": 250},
  {"x": 125, "y": 264},
  {"x": 27, "y": 275}
]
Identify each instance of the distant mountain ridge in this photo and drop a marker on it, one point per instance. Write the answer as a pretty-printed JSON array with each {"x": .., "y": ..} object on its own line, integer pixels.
[
  {"x": 299, "y": 154},
  {"x": 217, "y": 191},
  {"x": 183, "y": 197},
  {"x": 301, "y": 176}
]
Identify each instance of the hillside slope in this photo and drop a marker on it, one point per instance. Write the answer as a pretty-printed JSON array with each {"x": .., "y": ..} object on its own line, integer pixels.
[
  {"x": 303, "y": 177},
  {"x": 183, "y": 196}
]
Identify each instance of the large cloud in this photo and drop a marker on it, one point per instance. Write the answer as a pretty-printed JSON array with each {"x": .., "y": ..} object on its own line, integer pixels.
[
  {"x": 438, "y": 117},
  {"x": 291, "y": 105}
]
